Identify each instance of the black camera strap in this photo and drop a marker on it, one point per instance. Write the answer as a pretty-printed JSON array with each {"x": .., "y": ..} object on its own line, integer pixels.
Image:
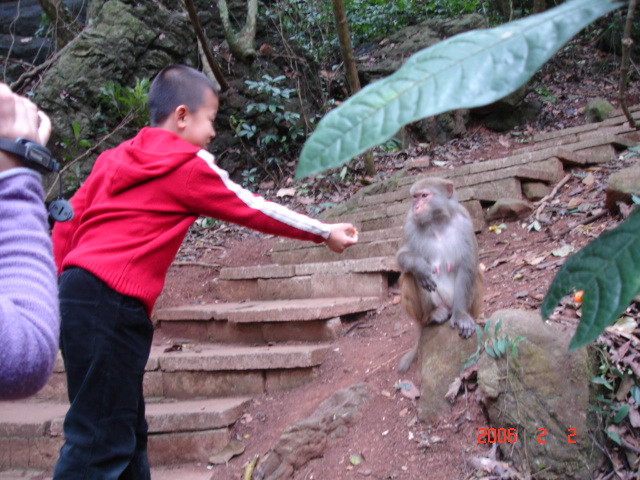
[
  {"x": 32, "y": 154},
  {"x": 39, "y": 158}
]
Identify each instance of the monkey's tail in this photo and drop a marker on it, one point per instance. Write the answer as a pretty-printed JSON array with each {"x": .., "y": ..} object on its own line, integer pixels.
[{"x": 411, "y": 297}]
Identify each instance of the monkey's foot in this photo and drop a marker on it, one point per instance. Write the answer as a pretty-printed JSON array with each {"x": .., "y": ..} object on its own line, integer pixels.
[
  {"x": 465, "y": 324},
  {"x": 440, "y": 315}
]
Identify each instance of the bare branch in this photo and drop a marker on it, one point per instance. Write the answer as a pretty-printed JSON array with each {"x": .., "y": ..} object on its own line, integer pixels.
[
  {"x": 204, "y": 43},
  {"x": 627, "y": 43}
]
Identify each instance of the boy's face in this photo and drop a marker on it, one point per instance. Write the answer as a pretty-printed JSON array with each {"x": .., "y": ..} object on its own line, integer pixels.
[{"x": 198, "y": 127}]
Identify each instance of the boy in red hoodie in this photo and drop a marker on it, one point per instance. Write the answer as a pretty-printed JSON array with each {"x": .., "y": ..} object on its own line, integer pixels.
[{"x": 131, "y": 215}]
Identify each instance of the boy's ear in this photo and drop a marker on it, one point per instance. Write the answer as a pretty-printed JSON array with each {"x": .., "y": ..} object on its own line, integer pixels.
[{"x": 180, "y": 114}]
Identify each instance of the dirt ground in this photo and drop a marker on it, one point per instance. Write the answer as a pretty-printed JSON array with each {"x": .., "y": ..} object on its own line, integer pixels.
[
  {"x": 390, "y": 439},
  {"x": 393, "y": 443},
  {"x": 520, "y": 266}
]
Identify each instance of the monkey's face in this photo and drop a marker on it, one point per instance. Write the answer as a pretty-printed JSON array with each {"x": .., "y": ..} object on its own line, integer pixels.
[
  {"x": 430, "y": 199},
  {"x": 421, "y": 201}
]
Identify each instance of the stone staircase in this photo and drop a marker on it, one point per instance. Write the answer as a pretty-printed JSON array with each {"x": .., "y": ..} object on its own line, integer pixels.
[{"x": 276, "y": 322}]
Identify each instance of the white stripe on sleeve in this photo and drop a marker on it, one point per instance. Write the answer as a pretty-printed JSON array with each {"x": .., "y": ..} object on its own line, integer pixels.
[{"x": 271, "y": 209}]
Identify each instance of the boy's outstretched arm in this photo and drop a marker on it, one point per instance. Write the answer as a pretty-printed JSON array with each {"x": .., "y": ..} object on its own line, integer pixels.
[{"x": 342, "y": 235}]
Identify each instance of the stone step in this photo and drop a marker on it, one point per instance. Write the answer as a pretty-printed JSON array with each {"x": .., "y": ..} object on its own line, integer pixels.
[
  {"x": 528, "y": 164},
  {"x": 261, "y": 322},
  {"x": 482, "y": 184},
  {"x": 190, "y": 471},
  {"x": 617, "y": 120},
  {"x": 360, "y": 277},
  {"x": 193, "y": 370},
  {"x": 189, "y": 431},
  {"x": 485, "y": 182},
  {"x": 372, "y": 243}
]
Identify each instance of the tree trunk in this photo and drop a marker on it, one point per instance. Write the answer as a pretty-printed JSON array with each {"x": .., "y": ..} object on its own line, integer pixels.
[
  {"x": 64, "y": 28},
  {"x": 539, "y": 6},
  {"x": 627, "y": 43},
  {"x": 203, "y": 43},
  {"x": 242, "y": 45},
  {"x": 350, "y": 66}
]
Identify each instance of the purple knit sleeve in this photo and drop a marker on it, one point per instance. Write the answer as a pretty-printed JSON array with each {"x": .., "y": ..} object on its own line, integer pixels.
[{"x": 29, "y": 312}]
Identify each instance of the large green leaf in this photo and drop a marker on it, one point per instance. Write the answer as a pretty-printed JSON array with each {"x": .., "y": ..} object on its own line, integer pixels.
[
  {"x": 608, "y": 270},
  {"x": 471, "y": 69}
]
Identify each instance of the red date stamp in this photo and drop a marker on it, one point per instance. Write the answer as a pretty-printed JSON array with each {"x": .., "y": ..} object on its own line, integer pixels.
[{"x": 504, "y": 435}]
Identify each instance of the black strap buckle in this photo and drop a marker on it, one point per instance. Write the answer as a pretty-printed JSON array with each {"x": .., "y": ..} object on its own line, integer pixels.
[{"x": 31, "y": 153}]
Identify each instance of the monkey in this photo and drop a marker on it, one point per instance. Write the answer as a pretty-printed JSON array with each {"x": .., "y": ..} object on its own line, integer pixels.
[{"x": 441, "y": 278}]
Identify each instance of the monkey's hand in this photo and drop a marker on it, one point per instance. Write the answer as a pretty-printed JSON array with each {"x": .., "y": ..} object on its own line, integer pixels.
[
  {"x": 425, "y": 280},
  {"x": 464, "y": 322}
]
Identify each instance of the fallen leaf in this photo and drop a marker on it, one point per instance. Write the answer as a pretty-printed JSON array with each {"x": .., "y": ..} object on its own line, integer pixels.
[
  {"x": 589, "y": 180},
  {"x": 624, "y": 388},
  {"x": 249, "y": 467},
  {"x": 356, "y": 459},
  {"x": 535, "y": 225},
  {"x": 494, "y": 467},
  {"x": 563, "y": 251},
  {"x": 408, "y": 389},
  {"x": 498, "y": 228},
  {"x": 286, "y": 192},
  {"x": 625, "y": 209},
  {"x": 574, "y": 203},
  {"x": 453, "y": 390},
  {"x": 536, "y": 260},
  {"x": 247, "y": 418},
  {"x": 619, "y": 353},
  {"x": 624, "y": 325},
  {"x": 306, "y": 200},
  {"x": 230, "y": 450},
  {"x": 634, "y": 417}
]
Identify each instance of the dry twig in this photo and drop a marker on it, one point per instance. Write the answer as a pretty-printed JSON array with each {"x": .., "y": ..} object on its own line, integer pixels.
[{"x": 545, "y": 201}]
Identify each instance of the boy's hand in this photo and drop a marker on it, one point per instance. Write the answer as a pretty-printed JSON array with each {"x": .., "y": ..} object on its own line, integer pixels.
[{"x": 342, "y": 235}]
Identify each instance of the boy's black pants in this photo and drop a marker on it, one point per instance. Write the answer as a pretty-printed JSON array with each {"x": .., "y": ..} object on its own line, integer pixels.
[{"x": 105, "y": 339}]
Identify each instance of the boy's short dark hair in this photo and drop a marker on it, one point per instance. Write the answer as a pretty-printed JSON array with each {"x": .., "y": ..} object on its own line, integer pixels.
[{"x": 174, "y": 86}]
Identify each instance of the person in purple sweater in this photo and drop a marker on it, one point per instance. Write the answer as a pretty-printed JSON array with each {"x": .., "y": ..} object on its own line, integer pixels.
[{"x": 29, "y": 312}]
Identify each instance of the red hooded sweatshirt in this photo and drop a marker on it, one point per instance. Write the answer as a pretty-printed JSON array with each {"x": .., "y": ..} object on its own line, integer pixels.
[{"x": 134, "y": 210}]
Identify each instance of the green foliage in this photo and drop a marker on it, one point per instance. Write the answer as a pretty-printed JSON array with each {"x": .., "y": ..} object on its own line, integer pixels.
[
  {"x": 128, "y": 104},
  {"x": 469, "y": 70},
  {"x": 44, "y": 30},
  {"x": 608, "y": 270},
  {"x": 250, "y": 177},
  {"x": 371, "y": 19},
  {"x": 495, "y": 345},
  {"x": 309, "y": 24},
  {"x": 206, "y": 223},
  {"x": 312, "y": 24},
  {"x": 453, "y": 8},
  {"x": 73, "y": 148},
  {"x": 285, "y": 134},
  {"x": 545, "y": 95},
  {"x": 615, "y": 393}
]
